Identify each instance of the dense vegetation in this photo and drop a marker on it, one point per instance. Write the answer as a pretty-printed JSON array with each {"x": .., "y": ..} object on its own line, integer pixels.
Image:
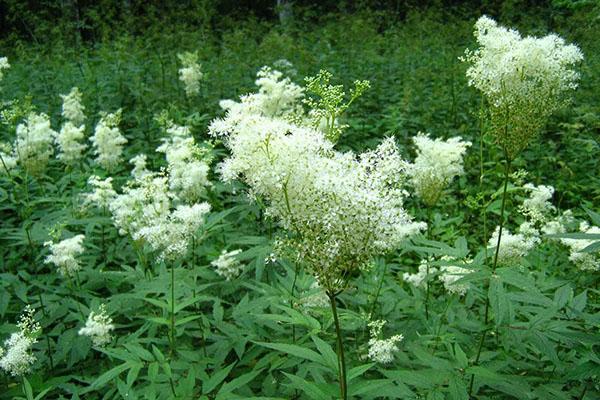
[{"x": 255, "y": 324}]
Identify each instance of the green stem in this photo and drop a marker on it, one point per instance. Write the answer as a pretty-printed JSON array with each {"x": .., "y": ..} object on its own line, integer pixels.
[
  {"x": 494, "y": 265},
  {"x": 46, "y": 334},
  {"x": 379, "y": 286},
  {"x": 296, "y": 270},
  {"x": 339, "y": 348},
  {"x": 172, "y": 309}
]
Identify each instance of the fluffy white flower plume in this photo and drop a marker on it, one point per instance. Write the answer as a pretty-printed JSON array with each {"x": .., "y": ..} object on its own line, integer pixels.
[
  {"x": 72, "y": 109},
  {"x": 341, "y": 208},
  {"x": 108, "y": 141},
  {"x": 98, "y": 327},
  {"x": 33, "y": 146},
  {"x": 103, "y": 192},
  {"x": 188, "y": 171},
  {"x": 524, "y": 79},
  {"x": 17, "y": 358},
  {"x": 585, "y": 261},
  {"x": 538, "y": 207},
  {"x": 190, "y": 73},
  {"x": 382, "y": 350},
  {"x": 437, "y": 163},
  {"x": 64, "y": 254},
  {"x": 513, "y": 247},
  {"x": 227, "y": 265},
  {"x": 170, "y": 236},
  {"x": 69, "y": 143},
  {"x": 139, "y": 170},
  {"x": 3, "y": 65}
]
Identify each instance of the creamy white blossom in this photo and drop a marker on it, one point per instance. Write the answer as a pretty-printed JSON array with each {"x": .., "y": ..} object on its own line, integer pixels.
[
  {"x": 537, "y": 207},
  {"x": 382, "y": 350},
  {"x": 108, "y": 141},
  {"x": 72, "y": 109},
  {"x": 419, "y": 278},
  {"x": 98, "y": 327},
  {"x": 227, "y": 264},
  {"x": 188, "y": 171},
  {"x": 139, "y": 170},
  {"x": 64, "y": 254},
  {"x": 437, "y": 163},
  {"x": 450, "y": 274},
  {"x": 17, "y": 358},
  {"x": 190, "y": 73},
  {"x": 33, "y": 146},
  {"x": 69, "y": 143},
  {"x": 103, "y": 192},
  {"x": 525, "y": 79},
  {"x": 513, "y": 247},
  {"x": 585, "y": 261},
  {"x": 341, "y": 208},
  {"x": 558, "y": 224}
]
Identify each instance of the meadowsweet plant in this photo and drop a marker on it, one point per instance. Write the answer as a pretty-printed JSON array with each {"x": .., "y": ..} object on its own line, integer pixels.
[
  {"x": 7, "y": 158},
  {"x": 437, "y": 163},
  {"x": 33, "y": 146},
  {"x": 102, "y": 194},
  {"x": 450, "y": 274},
  {"x": 108, "y": 141},
  {"x": 98, "y": 327},
  {"x": 227, "y": 264},
  {"x": 72, "y": 108},
  {"x": 17, "y": 358},
  {"x": 340, "y": 209},
  {"x": 524, "y": 79},
  {"x": 537, "y": 207},
  {"x": 64, "y": 255},
  {"x": 190, "y": 73}
]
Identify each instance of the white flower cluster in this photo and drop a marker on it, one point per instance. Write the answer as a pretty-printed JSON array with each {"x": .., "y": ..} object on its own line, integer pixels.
[
  {"x": 169, "y": 236},
  {"x": 103, "y": 192},
  {"x": 227, "y": 265},
  {"x": 64, "y": 254},
  {"x": 513, "y": 247},
  {"x": 140, "y": 169},
  {"x": 108, "y": 141},
  {"x": 98, "y": 327},
  {"x": 188, "y": 172},
  {"x": 382, "y": 350},
  {"x": 538, "y": 206},
  {"x": 450, "y": 274},
  {"x": 3, "y": 65},
  {"x": 69, "y": 143},
  {"x": 191, "y": 73},
  {"x": 559, "y": 223},
  {"x": 33, "y": 146},
  {"x": 523, "y": 78},
  {"x": 419, "y": 278},
  {"x": 17, "y": 358},
  {"x": 585, "y": 261},
  {"x": 447, "y": 274},
  {"x": 341, "y": 209},
  {"x": 72, "y": 109},
  {"x": 437, "y": 163}
]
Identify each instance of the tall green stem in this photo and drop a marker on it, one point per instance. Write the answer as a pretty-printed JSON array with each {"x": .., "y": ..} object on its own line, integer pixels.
[
  {"x": 172, "y": 309},
  {"x": 494, "y": 265},
  {"x": 339, "y": 348}
]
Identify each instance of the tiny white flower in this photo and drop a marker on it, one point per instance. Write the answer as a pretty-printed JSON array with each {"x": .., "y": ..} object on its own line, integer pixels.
[{"x": 98, "y": 327}]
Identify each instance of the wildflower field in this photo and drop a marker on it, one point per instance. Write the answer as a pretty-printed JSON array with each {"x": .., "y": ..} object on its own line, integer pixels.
[{"x": 353, "y": 205}]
